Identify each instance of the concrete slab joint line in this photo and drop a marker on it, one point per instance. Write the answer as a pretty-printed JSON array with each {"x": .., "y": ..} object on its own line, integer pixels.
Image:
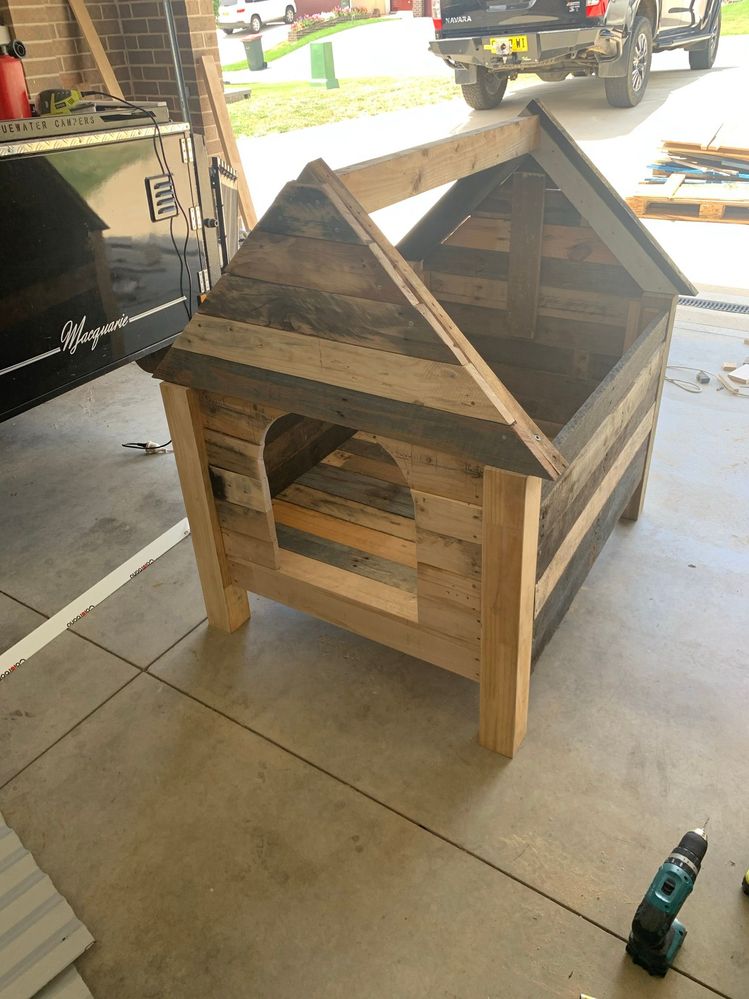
[{"x": 17, "y": 654}]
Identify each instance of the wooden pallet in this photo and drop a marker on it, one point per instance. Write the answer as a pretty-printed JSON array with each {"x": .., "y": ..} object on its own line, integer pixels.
[{"x": 679, "y": 201}]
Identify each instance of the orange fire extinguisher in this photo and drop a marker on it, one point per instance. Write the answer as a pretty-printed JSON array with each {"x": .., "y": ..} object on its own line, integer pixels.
[{"x": 14, "y": 94}]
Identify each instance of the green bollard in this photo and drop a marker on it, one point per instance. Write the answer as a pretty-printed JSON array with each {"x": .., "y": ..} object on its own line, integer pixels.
[{"x": 321, "y": 62}]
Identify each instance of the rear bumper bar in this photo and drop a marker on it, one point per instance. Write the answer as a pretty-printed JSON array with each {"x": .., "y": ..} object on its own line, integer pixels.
[{"x": 544, "y": 47}]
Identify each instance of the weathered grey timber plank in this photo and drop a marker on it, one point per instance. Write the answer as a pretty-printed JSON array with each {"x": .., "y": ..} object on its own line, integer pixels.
[
  {"x": 526, "y": 239},
  {"x": 598, "y": 202},
  {"x": 609, "y": 394},
  {"x": 579, "y": 566},
  {"x": 352, "y": 511},
  {"x": 453, "y": 208},
  {"x": 603, "y": 279},
  {"x": 389, "y": 497},
  {"x": 306, "y": 210},
  {"x": 565, "y": 506},
  {"x": 292, "y": 454},
  {"x": 480, "y": 440},
  {"x": 318, "y": 264},
  {"x": 535, "y": 356},
  {"x": 568, "y": 335},
  {"x": 559, "y": 395},
  {"x": 398, "y": 328},
  {"x": 558, "y": 209},
  {"x": 344, "y": 557}
]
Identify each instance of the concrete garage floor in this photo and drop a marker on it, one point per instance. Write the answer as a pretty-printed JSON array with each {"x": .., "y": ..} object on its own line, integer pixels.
[{"x": 293, "y": 810}]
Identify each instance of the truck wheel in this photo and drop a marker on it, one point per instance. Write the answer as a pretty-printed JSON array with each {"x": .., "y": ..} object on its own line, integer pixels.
[
  {"x": 704, "y": 56},
  {"x": 290, "y": 15},
  {"x": 487, "y": 92},
  {"x": 627, "y": 91},
  {"x": 255, "y": 24}
]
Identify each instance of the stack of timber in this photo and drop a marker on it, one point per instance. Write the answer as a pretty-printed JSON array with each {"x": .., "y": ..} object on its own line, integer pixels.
[
  {"x": 427, "y": 444},
  {"x": 705, "y": 179}
]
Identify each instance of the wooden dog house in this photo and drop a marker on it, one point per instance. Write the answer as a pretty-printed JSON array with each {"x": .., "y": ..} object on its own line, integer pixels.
[{"x": 429, "y": 444}]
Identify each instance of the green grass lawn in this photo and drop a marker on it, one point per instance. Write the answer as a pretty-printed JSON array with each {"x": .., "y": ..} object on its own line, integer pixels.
[
  {"x": 283, "y": 107},
  {"x": 735, "y": 18},
  {"x": 285, "y": 47}
]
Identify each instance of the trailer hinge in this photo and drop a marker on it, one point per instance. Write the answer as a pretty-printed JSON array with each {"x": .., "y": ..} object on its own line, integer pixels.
[
  {"x": 204, "y": 281},
  {"x": 185, "y": 145},
  {"x": 196, "y": 217}
]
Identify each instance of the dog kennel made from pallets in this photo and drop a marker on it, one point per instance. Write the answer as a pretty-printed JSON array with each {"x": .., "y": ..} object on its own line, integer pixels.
[{"x": 429, "y": 444}]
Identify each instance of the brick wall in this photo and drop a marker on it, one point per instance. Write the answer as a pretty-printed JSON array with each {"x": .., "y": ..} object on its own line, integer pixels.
[{"x": 134, "y": 35}]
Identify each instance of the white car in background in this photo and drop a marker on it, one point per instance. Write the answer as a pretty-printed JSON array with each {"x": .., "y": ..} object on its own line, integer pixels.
[{"x": 234, "y": 15}]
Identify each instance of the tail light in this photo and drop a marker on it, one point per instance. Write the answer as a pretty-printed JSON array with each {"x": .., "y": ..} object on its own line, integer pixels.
[
  {"x": 595, "y": 8},
  {"x": 437, "y": 15}
]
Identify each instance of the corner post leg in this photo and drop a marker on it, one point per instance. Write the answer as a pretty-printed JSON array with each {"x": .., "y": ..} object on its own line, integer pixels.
[
  {"x": 633, "y": 509},
  {"x": 226, "y": 604},
  {"x": 510, "y": 538}
]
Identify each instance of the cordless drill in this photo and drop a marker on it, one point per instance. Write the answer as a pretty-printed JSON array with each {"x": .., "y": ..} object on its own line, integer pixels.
[{"x": 656, "y": 933}]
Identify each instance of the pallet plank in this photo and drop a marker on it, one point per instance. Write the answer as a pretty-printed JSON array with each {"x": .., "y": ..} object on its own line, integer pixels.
[
  {"x": 526, "y": 240},
  {"x": 396, "y": 327}
]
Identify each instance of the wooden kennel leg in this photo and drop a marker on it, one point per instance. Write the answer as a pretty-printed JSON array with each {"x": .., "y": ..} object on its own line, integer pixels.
[
  {"x": 510, "y": 539},
  {"x": 226, "y": 604},
  {"x": 633, "y": 509}
]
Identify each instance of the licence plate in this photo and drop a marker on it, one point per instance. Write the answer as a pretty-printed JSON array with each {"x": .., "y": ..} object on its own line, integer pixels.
[{"x": 506, "y": 46}]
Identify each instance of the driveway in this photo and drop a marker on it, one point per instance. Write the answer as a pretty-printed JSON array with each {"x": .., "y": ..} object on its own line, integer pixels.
[{"x": 621, "y": 143}]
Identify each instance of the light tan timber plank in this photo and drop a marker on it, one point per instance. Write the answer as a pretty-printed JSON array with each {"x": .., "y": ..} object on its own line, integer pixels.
[
  {"x": 226, "y": 605},
  {"x": 447, "y": 387},
  {"x": 241, "y": 548},
  {"x": 91, "y": 35},
  {"x": 450, "y": 588},
  {"x": 561, "y": 242},
  {"x": 569, "y": 546},
  {"x": 215, "y": 89},
  {"x": 448, "y": 516},
  {"x": 524, "y": 276},
  {"x": 384, "y": 181},
  {"x": 445, "y": 552},
  {"x": 366, "y": 539},
  {"x": 510, "y": 523},
  {"x": 319, "y": 264},
  {"x": 634, "y": 508},
  {"x": 365, "y": 606},
  {"x": 434, "y": 472}
]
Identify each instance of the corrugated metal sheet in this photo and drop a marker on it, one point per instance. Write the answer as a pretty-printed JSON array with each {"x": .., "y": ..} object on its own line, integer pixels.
[
  {"x": 40, "y": 935},
  {"x": 68, "y": 985}
]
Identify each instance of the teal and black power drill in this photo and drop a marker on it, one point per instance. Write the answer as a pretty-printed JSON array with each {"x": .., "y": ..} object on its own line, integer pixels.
[{"x": 656, "y": 933}]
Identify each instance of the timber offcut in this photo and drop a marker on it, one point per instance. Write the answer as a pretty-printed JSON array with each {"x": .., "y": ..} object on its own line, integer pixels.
[{"x": 429, "y": 443}]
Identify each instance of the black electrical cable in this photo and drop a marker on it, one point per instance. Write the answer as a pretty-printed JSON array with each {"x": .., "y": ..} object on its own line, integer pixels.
[{"x": 164, "y": 166}]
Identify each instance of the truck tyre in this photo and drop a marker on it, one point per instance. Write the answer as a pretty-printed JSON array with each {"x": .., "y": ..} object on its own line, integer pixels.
[
  {"x": 487, "y": 92},
  {"x": 627, "y": 91},
  {"x": 255, "y": 24},
  {"x": 290, "y": 15},
  {"x": 704, "y": 56}
]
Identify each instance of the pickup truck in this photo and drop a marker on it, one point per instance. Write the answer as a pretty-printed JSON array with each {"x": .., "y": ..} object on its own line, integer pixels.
[{"x": 488, "y": 42}]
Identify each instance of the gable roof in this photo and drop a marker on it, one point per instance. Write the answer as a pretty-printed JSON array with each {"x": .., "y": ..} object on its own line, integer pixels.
[
  {"x": 606, "y": 211},
  {"x": 318, "y": 314}
]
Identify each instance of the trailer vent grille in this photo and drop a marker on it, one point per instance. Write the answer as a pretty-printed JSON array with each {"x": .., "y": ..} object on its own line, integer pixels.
[
  {"x": 705, "y": 303},
  {"x": 162, "y": 198}
]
